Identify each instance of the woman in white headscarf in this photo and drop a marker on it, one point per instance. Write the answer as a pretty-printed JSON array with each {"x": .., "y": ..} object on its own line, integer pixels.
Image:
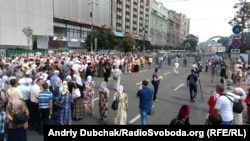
[
  {"x": 103, "y": 102},
  {"x": 65, "y": 115},
  {"x": 121, "y": 113}
]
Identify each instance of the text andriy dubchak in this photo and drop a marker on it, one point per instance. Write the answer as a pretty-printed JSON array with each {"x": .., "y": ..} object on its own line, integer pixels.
[{"x": 120, "y": 132}]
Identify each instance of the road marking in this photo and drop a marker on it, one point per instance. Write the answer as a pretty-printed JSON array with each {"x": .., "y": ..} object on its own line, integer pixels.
[
  {"x": 178, "y": 87},
  {"x": 167, "y": 73},
  {"x": 134, "y": 119},
  {"x": 143, "y": 70},
  {"x": 139, "y": 83}
]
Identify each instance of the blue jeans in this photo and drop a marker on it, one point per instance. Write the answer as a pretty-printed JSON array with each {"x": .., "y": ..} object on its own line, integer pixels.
[
  {"x": 226, "y": 122},
  {"x": 144, "y": 119},
  {"x": 192, "y": 91}
]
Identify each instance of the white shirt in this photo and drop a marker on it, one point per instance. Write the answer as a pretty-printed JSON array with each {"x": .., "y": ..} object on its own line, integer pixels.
[
  {"x": 225, "y": 108},
  {"x": 176, "y": 65},
  {"x": 34, "y": 91}
]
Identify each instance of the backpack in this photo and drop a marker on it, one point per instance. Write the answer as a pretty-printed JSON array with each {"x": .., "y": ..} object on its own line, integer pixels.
[{"x": 192, "y": 79}]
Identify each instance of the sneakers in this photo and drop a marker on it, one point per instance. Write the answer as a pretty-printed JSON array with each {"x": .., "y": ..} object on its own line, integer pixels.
[
  {"x": 193, "y": 100},
  {"x": 156, "y": 100}
]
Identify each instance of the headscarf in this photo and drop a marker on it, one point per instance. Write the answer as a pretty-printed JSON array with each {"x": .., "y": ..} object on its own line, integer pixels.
[
  {"x": 89, "y": 78},
  {"x": 103, "y": 87},
  {"x": 120, "y": 90},
  {"x": 65, "y": 88}
]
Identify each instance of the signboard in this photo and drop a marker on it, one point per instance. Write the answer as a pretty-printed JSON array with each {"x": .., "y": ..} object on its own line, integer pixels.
[
  {"x": 234, "y": 55},
  {"x": 236, "y": 43},
  {"x": 235, "y": 50},
  {"x": 236, "y": 29},
  {"x": 236, "y": 36}
]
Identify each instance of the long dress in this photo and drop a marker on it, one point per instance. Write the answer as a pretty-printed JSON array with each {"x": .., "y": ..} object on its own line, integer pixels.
[
  {"x": 65, "y": 115},
  {"x": 120, "y": 115},
  {"x": 103, "y": 105}
]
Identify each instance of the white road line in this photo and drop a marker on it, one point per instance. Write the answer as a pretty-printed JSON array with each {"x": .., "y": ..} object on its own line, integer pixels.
[
  {"x": 139, "y": 83},
  {"x": 167, "y": 73},
  {"x": 134, "y": 119},
  {"x": 143, "y": 70},
  {"x": 178, "y": 87}
]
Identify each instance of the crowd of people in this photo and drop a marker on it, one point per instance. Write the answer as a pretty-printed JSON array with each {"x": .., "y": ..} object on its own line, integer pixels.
[{"x": 34, "y": 85}]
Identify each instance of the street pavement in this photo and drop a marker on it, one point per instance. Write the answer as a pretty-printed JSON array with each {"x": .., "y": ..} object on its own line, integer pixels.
[{"x": 172, "y": 94}]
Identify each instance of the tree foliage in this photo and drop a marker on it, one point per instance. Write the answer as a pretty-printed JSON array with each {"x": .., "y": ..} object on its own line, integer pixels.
[
  {"x": 224, "y": 41},
  {"x": 126, "y": 44},
  {"x": 191, "y": 41},
  {"x": 28, "y": 32}
]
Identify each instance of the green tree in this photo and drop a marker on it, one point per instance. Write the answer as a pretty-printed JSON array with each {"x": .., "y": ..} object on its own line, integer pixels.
[
  {"x": 105, "y": 38},
  {"x": 126, "y": 44},
  {"x": 59, "y": 40},
  {"x": 28, "y": 32},
  {"x": 224, "y": 41},
  {"x": 191, "y": 42}
]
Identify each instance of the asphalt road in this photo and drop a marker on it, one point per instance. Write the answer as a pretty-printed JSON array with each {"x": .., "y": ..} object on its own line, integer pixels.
[{"x": 172, "y": 93}]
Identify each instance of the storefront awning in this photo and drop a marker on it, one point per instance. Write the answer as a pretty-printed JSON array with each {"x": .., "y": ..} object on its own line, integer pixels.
[{"x": 118, "y": 34}]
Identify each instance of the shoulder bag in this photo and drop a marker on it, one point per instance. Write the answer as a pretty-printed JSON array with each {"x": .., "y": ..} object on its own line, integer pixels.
[
  {"x": 115, "y": 104},
  {"x": 19, "y": 118},
  {"x": 237, "y": 106}
]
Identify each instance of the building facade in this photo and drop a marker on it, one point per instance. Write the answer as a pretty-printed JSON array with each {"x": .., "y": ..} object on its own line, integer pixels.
[{"x": 67, "y": 23}]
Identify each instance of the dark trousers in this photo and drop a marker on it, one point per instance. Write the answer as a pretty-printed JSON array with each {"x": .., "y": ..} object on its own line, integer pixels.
[
  {"x": 192, "y": 91},
  {"x": 44, "y": 117},
  {"x": 156, "y": 86},
  {"x": 35, "y": 120}
]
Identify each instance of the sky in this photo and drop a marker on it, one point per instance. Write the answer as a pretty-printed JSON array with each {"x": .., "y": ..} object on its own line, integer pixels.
[{"x": 208, "y": 18}]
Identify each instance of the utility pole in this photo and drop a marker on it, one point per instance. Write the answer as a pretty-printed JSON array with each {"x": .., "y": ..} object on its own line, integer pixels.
[{"x": 91, "y": 14}]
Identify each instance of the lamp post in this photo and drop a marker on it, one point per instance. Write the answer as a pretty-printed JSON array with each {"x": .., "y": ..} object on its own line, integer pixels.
[{"x": 91, "y": 14}]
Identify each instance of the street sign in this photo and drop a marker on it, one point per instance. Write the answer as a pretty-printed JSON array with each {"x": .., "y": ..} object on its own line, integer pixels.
[
  {"x": 236, "y": 43},
  {"x": 236, "y": 29},
  {"x": 236, "y": 36},
  {"x": 234, "y": 55},
  {"x": 235, "y": 50}
]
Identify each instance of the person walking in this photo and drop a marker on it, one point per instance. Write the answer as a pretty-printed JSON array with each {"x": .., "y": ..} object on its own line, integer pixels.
[
  {"x": 120, "y": 115},
  {"x": 145, "y": 101},
  {"x": 156, "y": 83},
  {"x": 192, "y": 84},
  {"x": 176, "y": 68},
  {"x": 117, "y": 76}
]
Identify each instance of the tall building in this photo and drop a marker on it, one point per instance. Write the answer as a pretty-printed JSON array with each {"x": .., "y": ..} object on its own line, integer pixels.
[
  {"x": 16, "y": 15},
  {"x": 159, "y": 24},
  {"x": 67, "y": 23}
]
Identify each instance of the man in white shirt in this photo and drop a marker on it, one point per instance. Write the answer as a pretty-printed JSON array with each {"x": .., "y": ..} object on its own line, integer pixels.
[
  {"x": 176, "y": 67},
  {"x": 223, "y": 105}
]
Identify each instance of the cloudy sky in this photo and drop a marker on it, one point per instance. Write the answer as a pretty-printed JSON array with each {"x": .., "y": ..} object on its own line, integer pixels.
[{"x": 208, "y": 18}]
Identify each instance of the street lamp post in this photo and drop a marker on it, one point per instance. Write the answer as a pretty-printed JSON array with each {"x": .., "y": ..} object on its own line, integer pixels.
[{"x": 91, "y": 14}]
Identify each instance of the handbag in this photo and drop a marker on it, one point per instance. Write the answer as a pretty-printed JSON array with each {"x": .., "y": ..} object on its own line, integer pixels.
[
  {"x": 237, "y": 106},
  {"x": 115, "y": 104},
  {"x": 20, "y": 118},
  {"x": 76, "y": 93}
]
